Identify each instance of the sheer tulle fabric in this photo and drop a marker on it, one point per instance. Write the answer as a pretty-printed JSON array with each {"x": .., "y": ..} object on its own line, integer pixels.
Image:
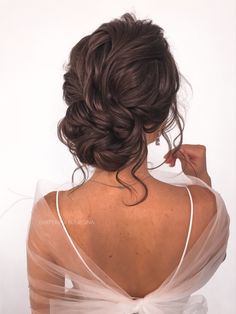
[{"x": 87, "y": 289}]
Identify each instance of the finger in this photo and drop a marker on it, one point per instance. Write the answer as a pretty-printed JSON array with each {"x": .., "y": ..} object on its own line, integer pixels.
[
  {"x": 194, "y": 150},
  {"x": 172, "y": 164},
  {"x": 181, "y": 155},
  {"x": 171, "y": 158}
]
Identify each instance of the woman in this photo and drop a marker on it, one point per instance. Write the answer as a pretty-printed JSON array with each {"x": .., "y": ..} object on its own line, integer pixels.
[{"x": 125, "y": 241}]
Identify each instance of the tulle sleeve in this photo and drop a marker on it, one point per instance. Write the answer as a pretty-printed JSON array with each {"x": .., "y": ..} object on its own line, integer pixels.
[{"x": 39, "y": 248}]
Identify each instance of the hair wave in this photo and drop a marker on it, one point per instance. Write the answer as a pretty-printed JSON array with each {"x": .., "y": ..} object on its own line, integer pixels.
[{"x": 120, "y": 82}]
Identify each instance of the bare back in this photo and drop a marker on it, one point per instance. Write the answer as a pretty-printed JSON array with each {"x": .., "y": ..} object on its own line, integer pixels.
[{"x": 138, "y": 246}]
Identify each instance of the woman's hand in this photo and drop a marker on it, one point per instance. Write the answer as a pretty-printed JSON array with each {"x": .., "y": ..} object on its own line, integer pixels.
[{"x": 192, "y": 159}]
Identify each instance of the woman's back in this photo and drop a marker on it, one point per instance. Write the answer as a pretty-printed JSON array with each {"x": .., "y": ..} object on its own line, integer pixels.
[
  {"x": 89, "y": 253},
  {"x": 138, "y": 246}
]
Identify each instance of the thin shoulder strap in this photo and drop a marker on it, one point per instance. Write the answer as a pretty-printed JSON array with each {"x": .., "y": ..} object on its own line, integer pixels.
[
  {"x": 188, "y": 235},
  {"x": 63, "y": 225},
  {"x": 72, "y": 243}
]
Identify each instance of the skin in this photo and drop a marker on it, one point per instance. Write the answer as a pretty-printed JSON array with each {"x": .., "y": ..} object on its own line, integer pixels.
[{"x": 132, "y": 254}]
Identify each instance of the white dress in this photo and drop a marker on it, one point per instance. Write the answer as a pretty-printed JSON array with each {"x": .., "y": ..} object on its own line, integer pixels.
[{"x": 88, "y": 289}]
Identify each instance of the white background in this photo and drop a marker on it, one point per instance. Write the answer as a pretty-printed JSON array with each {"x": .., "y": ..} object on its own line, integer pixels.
[{"x": 35, "y": 40}]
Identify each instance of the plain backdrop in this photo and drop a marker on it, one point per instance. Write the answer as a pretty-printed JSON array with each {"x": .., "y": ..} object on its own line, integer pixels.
[{"x": 36, "y": 38}]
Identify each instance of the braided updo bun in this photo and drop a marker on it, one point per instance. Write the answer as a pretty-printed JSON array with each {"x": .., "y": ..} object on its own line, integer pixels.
[{"x": 120, "y": 82}]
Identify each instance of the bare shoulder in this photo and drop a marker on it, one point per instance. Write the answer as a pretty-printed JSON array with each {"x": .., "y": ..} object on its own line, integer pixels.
[
  {"x": 39, "y": 206},
  {"x": 51, "y": 198},
  {"x": 204, "y": 197},
  {"x": 51, "y": 201},
  {"x": 38, "y": 228},
  {"x": 205, "y": 207},
  {"x": 43, "y": 208}
]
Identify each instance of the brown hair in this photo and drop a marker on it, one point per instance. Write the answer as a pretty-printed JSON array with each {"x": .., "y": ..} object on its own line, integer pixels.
[{"x": 118, "y": 80}]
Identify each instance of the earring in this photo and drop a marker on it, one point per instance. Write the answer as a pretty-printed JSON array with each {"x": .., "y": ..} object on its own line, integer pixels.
[{"x": 157, "y": 142}]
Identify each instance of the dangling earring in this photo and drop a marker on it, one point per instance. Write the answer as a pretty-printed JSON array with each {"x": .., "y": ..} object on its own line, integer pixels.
[{"x": 157, "y": 142}]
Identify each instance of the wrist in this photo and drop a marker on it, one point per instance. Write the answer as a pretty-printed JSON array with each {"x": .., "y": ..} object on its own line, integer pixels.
[{"x": 206, "y": 178}]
